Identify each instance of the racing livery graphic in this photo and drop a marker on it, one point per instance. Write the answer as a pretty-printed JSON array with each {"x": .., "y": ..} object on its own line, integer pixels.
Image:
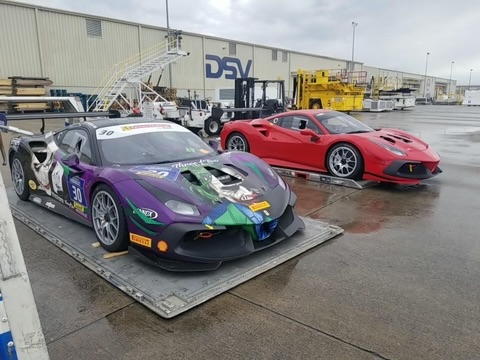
[{"x": 157, "y": 189}]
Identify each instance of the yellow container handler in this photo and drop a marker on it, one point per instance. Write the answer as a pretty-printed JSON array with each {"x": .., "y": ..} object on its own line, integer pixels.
[{"x": 324, "y": 89}]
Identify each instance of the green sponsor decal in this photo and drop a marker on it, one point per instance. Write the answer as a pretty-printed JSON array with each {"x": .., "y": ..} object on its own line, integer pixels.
[{"x": 142, "y": 216}]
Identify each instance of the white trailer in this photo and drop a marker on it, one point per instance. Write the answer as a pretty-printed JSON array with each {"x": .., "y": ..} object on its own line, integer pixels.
[{"x": 471, "y": 98}]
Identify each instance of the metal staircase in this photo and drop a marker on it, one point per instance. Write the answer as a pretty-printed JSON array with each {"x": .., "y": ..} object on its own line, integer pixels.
[{"x": 131, "y": 71}]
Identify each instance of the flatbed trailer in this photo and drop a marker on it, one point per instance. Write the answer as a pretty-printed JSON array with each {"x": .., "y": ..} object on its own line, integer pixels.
[
  {"x": 325, "y": 179},
  {"x": 168, "y": 294}
]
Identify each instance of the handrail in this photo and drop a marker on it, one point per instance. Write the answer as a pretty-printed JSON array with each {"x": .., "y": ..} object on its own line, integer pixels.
[{"x": 129, "y": 64}]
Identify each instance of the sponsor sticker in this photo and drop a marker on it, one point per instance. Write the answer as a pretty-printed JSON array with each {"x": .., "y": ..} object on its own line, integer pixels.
[
  {"x": 141, "y": 240},
  {"x": 78, "y": 206},
  {"x": 156, "y": 172},
  {"x": 58, "y": 198},
  {"x": 50, "y": 205},
  {"x": 201, "y": 162},
  {"x": 259, "y": 206},
  {"x": 37, "y": 200},
  {"x": 151, "y": 214},
  {"x": 144, "y": 126},
  {"x": 32, "y": 185}
]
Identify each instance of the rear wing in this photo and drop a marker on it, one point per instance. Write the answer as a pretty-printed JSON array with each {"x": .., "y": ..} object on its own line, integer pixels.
[{"x": 82, "y": 116}]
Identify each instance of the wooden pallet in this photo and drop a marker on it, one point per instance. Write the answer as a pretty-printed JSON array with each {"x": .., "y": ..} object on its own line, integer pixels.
[{"x": 29, "y": 91}]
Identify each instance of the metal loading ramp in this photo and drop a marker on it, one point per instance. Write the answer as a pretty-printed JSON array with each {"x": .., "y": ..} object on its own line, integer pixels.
[
  {"x": 167, "y": 294},
  {"x": 326, "y": 179}
]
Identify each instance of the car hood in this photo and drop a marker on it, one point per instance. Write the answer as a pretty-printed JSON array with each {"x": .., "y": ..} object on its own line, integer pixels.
[
  {"x": 234, "y": 176},
  {"x": 396, "y": 138}
]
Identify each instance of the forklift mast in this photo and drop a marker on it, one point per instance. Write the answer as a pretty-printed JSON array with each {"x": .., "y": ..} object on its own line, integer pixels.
[{"x": 247, "y": 106}]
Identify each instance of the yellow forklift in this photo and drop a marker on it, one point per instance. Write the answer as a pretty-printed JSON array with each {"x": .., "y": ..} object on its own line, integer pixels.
[{"x": 325, "y": 89}]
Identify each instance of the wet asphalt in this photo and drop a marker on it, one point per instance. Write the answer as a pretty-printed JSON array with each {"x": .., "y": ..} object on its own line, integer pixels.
[{"x": 402, "y": 282}]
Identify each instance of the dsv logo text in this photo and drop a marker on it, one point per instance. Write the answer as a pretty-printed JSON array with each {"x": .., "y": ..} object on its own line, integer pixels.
[{"x": 231, "y": 67}]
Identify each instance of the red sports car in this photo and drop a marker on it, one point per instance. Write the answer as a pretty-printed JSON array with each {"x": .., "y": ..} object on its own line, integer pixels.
[{"x": 333, "y": 142}]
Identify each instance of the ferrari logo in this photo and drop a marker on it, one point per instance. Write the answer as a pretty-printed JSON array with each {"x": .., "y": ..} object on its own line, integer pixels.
[{"x": 411, "y": 167}]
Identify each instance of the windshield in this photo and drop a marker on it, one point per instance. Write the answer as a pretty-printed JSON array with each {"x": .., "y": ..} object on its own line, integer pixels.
[
  {"x": 339, "y": 123},
  {"x": 149, "y": 143}
]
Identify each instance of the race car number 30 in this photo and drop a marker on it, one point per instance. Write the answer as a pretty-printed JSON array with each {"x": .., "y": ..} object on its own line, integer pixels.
[{"x": 75, "y": 190}]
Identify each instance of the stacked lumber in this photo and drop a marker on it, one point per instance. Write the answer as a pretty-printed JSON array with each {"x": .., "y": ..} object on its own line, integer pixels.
[
  {"x": 5, "y": 87},
  {"x": 31, "y": 106},
  {"x": 24, "y": 86}
]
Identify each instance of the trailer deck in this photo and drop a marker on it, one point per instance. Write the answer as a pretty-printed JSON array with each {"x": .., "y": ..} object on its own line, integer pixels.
[
  {"x": 325, "y": 179},
  {"x": 166, "y": 293}
]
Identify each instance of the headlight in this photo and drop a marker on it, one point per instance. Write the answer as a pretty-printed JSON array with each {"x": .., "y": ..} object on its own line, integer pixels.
[
  {"x": 275, "y": 176},
  {"x": 389, "y": 148},
  {"x": 182, "y": 208}
]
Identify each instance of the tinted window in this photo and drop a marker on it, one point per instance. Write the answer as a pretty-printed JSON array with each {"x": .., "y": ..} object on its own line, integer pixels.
[
  {"x": 76, "y": 141},
  {"x": 298, "y": 122}
]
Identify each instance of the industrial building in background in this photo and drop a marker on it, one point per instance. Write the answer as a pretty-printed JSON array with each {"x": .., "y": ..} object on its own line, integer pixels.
[{"x": 76, "y": 51}]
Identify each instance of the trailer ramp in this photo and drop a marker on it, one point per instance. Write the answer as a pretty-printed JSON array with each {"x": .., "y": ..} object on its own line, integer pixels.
[
  {"x": 325, "y": 179},
  {"x": 168, "y": 294}
]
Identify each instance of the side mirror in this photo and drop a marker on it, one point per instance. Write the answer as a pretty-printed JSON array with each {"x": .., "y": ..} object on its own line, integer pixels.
[
  {"x": 71, "y": 160},
  {"x": 311, "y": 133},
  {"x": 215, "y": 144}
]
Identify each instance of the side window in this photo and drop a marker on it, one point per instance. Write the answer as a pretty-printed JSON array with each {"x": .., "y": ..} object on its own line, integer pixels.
[
  {"x": 297, "y": 123},
  {"x": 277, "y": 121},
  {"x": 76, "y": 141}
]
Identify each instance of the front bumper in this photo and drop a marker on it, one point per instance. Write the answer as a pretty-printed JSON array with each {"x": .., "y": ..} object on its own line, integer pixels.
[
  {"x": 189, "y": 252},
  {"x": 408, "y": 169}
]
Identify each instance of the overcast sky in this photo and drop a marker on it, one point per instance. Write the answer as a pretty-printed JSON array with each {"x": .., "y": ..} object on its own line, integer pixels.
[{"x": 390, "y": 34}]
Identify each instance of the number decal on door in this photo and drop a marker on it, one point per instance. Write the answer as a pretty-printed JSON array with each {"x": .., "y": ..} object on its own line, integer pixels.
[{"x": 76, "y": 190}]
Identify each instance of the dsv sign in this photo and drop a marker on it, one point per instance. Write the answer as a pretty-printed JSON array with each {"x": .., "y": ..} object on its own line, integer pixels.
[{"x": 231, "y": 67}]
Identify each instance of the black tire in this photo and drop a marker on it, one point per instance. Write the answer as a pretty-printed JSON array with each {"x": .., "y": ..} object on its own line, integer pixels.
[
  {"x": 21, "y": 189},
  {"x": 119, "y": 242},
  {"x": 234, "y": 142},
  {"x": 345, "y": 161},
  {"x": 212, "y": 126}
]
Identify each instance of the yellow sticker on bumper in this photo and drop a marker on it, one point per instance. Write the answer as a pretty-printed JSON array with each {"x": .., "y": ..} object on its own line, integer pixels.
[
  {"x": 259, "y": 206},
  {"x": 141, "y": 240}
]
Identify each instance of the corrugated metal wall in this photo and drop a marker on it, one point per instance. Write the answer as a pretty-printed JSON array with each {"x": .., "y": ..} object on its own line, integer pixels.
[
  {"x": 41, "y": 42},
  {"x": 19, "y": 52},
  {"x": 73, "y": 58}
]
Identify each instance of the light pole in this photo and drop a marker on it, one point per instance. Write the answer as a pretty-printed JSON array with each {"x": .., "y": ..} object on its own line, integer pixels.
[
  {"x": 425, "y": 82},
  {"x": 450, "y": 81},
  {"x": 470, "y": 79},
  {"x": 168, "y": 45},
  {"x": 354, "y": 25}
]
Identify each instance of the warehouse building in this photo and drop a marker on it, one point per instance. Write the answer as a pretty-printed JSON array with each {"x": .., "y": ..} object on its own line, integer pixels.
[{"x": 76, "y": 51}]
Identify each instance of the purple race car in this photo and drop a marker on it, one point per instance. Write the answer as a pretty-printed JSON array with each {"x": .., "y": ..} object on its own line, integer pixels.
[{"x": 157, "y": 189}]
